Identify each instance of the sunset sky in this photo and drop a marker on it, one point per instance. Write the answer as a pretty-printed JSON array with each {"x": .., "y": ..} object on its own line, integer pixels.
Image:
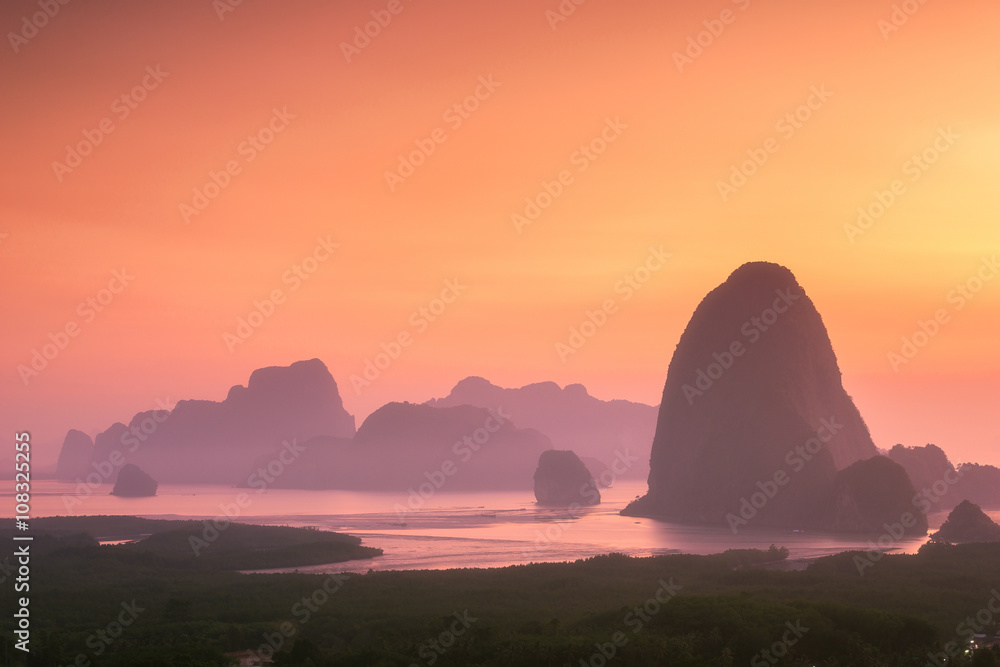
[{"x": 619, "y": 100}]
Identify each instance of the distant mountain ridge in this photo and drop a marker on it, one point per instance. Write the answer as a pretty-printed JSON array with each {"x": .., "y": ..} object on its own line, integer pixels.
[
  {"x": 941, "y": 485},
  {"x": 570, "y": 417},
  {"x": 291, "y": 421},
  {"x": 204, "y": 441},
  {"x": 295, "y": 415}
]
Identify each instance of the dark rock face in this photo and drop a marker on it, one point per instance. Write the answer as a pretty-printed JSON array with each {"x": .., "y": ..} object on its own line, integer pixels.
[
  {"x": 563, "y": 480},
  {"x": 132, "y": 482},
  {"x": 208, "y": 441},
  {"x": 754, "y": 421},
  {"x": 967, "y": 523},
  {"x": 872, "y": 493},
  {"x": 571, "y": 417},
  {"x": 75, "y": 455},
  {"x": 408, "y": 447}
]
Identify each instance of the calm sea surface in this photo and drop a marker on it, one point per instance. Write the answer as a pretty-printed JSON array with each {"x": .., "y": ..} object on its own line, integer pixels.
[{"x": 448, "y": 530}]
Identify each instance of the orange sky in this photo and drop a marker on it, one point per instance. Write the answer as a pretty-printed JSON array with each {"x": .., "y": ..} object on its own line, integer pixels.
[{"x": 670, "y": 134}]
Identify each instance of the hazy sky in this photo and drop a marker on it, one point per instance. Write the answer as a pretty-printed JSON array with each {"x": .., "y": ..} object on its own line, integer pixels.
[{"x": 620, "y": 121}]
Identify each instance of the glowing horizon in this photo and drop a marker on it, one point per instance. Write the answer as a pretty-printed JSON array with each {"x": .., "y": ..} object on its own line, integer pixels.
[{"x": 520, "y": 165}]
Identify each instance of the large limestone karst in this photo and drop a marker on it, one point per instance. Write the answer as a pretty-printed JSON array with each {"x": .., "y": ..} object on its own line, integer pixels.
[
  {"x": 210, "y": 441},
  {"x": 755, "y": 423}
]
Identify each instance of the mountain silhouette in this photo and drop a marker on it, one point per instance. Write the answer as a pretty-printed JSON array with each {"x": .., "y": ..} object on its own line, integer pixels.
[
  {"x": 75, "y": 456},
  {"x": 132, "y": 482},
  {"x": 402, "y": 446},
  {"x": 933, "y": 475},
  {"x": 942, "y": 485},
  {"x": 212, "y": 442},
  {"x": 967, "y": 523},
  {"x": 563, "y": 480},
  {"x": 871, "y": 494},
  {"x": 980, "y": 484},
  {"x": 571, "y": 418},
  {"x": 755, "y": 423}
]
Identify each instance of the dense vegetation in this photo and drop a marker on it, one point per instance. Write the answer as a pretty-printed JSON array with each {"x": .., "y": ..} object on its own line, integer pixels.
[
  {"x": 210, "y": 545},
  {"x": 726, "y": 609}
]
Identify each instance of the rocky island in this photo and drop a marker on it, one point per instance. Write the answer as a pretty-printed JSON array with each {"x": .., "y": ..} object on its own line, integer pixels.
[{"x": 562, "y": 479}]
